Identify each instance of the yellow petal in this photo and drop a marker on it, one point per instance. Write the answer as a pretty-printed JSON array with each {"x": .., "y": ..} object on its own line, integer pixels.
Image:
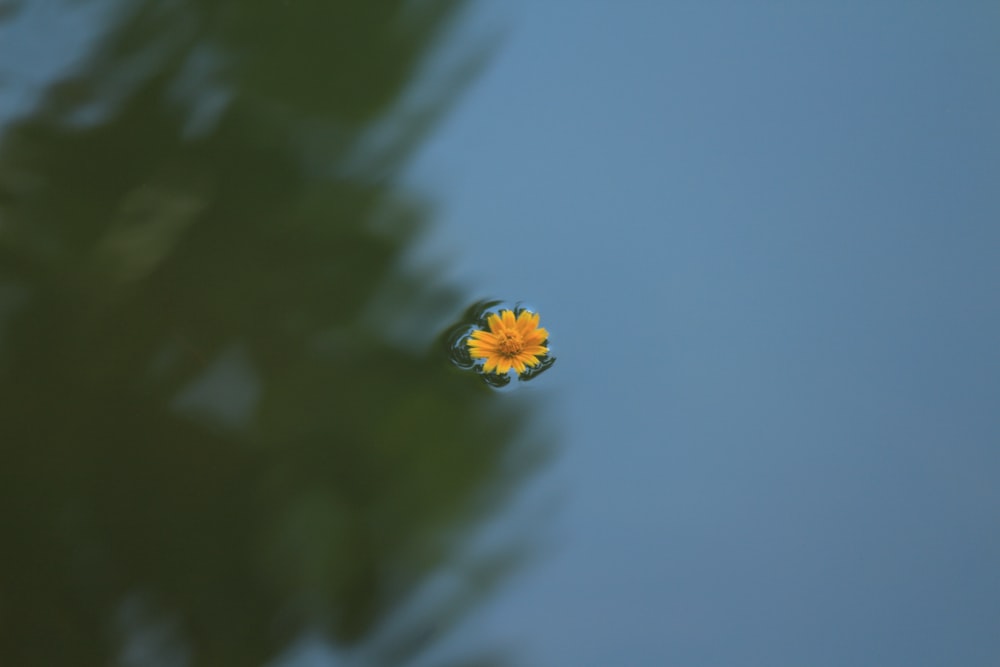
[
  {"x": 479, "y": 334},
  {"x": 527, "y": 322},
  {"x": 536, "y": 336},
  {"x": 494, "y": 323},
  {"x": 508, "y": 318}
]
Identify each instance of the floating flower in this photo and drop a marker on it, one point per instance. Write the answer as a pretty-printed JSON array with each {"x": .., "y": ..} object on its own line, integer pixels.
[{"x": 511, "y": 342}]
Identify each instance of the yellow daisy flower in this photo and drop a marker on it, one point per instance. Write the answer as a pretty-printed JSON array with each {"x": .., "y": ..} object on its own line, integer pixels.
[{"x": 510, "y": 343}]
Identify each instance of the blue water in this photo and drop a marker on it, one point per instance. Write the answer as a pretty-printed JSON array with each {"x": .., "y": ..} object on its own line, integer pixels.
[
  {"x": 767, "y": 238},
  {"x": 763, "y": 239}
]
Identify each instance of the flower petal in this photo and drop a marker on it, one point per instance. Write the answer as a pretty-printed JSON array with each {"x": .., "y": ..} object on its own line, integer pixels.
[
  {"x": 535, "y": 337},
  {"x": 527, "y": 322},
  {"x": 479, "y": 334}
]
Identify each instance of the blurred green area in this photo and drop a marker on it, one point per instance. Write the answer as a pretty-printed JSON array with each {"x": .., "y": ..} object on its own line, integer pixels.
[{"x": 211, "y": 437}]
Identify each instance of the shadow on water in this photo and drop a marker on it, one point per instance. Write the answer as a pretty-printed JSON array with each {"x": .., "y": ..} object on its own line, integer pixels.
[{"x": 211, "y": 443}]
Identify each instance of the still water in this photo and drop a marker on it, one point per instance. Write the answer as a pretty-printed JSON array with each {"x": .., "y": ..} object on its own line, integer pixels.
[
  {"x": 263, "y": 265},
  {"x": 212, "y": 445}
]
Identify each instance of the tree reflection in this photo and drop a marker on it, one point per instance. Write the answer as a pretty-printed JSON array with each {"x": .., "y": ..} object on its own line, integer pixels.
[{"x": 210, "y": 441}]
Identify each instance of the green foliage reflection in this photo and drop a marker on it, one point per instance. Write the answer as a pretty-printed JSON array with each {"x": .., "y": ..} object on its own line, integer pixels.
[{"x": 210, "y": 442}]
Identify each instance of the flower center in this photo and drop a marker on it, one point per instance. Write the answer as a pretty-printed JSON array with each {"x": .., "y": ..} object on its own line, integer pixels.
[{"x": 510, "y": 343}]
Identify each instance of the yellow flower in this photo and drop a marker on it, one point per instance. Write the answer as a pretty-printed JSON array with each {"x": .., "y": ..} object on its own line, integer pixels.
[{"x": 510, "y": 342}]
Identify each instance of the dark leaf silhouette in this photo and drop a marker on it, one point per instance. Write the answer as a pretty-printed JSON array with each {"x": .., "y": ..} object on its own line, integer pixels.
[{"x": 212, "y": 440}]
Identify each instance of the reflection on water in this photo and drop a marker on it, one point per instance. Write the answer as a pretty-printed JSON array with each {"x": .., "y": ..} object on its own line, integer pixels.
[
  {"x": 213, "y": 447},
  {"x": 495, "y": 339}
]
